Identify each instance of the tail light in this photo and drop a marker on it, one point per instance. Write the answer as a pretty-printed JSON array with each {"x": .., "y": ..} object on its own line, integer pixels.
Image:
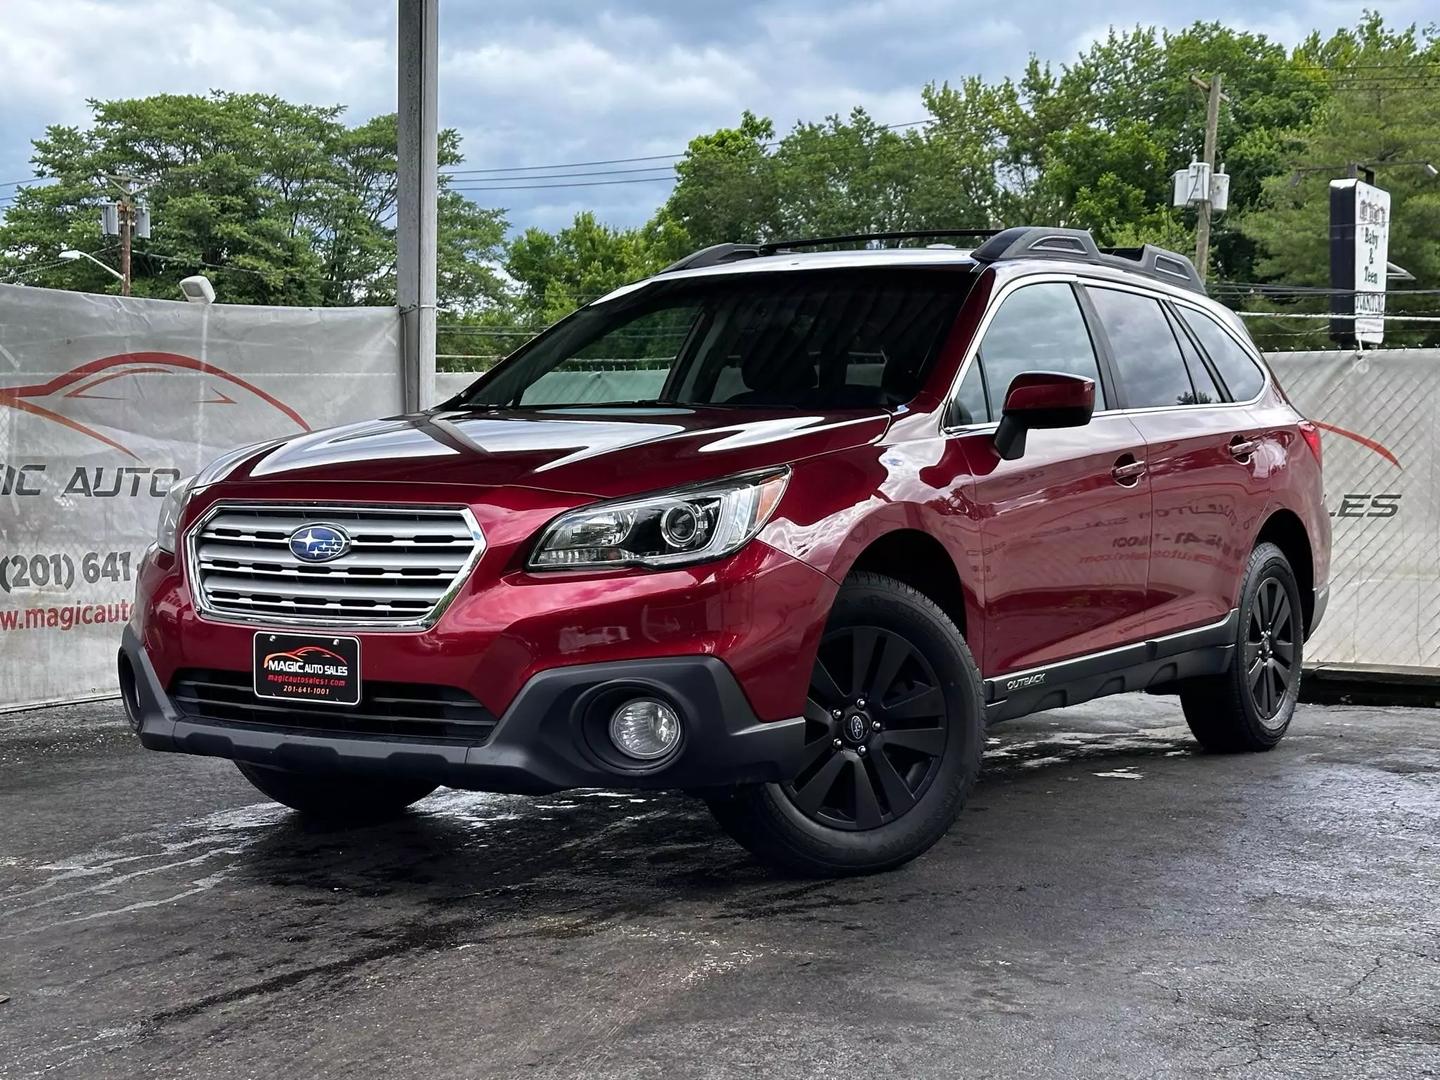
[{"x": 1311, "y": 434}]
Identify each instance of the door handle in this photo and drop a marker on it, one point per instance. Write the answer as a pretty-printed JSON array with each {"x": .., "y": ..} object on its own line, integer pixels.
[
  {"x": 1128, "y": 471},
  {"x": 1242, "y": 448}
]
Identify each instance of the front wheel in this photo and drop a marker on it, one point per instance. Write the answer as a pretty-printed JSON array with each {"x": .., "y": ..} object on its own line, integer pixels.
[
  {"x": 344, "y": 798},
  {"x": 894, "y": 733},
  {"x": 1250, "y": 706}
]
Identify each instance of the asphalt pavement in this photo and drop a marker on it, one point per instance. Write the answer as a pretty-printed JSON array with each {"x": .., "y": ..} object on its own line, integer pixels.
[{"x": 1111, "y": 903}]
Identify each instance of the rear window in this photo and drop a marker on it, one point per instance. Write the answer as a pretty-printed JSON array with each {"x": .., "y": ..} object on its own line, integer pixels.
[
  {"x": 789, "y": 339},
  {"x": 1237, "y": 368}
]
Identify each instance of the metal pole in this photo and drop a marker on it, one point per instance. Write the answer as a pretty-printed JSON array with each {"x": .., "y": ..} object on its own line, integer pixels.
[
  {"x": 1212, "y": 128},
  {"x": 417, "y": 183}
]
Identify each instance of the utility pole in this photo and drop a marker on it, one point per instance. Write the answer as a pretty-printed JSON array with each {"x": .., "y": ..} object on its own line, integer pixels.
[
  {"x": 1212, "y": 130},
  {"x": 123, "y": 209},
  {"x": 127, "y": 217}
]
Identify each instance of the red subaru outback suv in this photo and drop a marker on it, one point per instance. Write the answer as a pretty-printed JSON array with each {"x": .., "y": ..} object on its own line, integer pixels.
[{"x": 783, "y": 530}]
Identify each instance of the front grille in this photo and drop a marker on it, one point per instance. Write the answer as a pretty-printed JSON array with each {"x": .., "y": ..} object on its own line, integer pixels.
[
  {"x": 403, "y": 566},
  {"x": 393, "y": 710}
]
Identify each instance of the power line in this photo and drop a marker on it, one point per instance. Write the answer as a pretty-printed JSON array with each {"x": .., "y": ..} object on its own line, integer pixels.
[
  {"x": 592, "y": 183},
  {"x": 16, "y": 275},
  {"x": 1306, "y": 315},
  {"x": 567, "y": 165},
  {"x": 200, "y": 262},
  {"x": 561, "y": 176},
  {"x": 1310, "y": 290},
  {"x": 652, "y": 157}
]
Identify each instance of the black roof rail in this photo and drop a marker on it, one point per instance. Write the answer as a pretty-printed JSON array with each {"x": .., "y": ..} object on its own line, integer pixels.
[
  {"x": 775, "y": 246},
  {"x": 1001, "y": 245},
  {"x": 1038, "y": 242},
  {"x": 725, "y": 253},
  {"x": 714, "y": 255}
]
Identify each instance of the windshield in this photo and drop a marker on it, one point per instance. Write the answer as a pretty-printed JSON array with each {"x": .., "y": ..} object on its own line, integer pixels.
[{"x": 808, "y": 339}]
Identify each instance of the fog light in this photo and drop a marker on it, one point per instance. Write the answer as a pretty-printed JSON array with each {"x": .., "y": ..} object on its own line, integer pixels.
[{"x": 645, "y": 729}]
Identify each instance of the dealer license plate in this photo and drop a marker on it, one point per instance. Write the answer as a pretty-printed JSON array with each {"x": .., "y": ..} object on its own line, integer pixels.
[{"x": 307, "y": 667}]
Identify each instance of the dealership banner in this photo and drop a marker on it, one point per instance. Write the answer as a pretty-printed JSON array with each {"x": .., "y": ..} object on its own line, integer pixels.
[
  {"x": 104, "y": 403},
  {"x": 1379, "y": 415}
]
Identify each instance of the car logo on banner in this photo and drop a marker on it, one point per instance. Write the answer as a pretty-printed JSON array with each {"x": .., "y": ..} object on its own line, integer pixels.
[{"x": 319, "y": 543}]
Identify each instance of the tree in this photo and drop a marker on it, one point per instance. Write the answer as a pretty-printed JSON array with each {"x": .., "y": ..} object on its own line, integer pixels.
[
  {"x": 1383, "y": 108},
  {"x": 726, "y": 186},
  {"x": 278, "y": 203},
  {"x": 1097, "y": 143},
  {"x": 854, "y": 175}
]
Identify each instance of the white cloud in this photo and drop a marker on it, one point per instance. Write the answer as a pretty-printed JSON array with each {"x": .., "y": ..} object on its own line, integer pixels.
[
  {"x": 533, "y": 82},
  {"x": 57, "y": 54}
]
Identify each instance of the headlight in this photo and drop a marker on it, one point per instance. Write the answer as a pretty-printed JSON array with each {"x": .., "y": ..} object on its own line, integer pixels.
[
  {"x": 170, "y": 511},
  {"x": 688, "y": 525}
]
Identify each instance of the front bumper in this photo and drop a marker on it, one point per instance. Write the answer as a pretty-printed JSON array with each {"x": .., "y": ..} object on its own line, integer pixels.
[{"x": 550, "y": 738}]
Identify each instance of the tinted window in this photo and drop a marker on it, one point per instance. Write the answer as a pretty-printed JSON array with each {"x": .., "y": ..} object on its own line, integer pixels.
[
  {"x": 1038, "y": 328},
  {"x": 771, "y": 340},
  {"x": 969, "y": 405},
  {"x": 1146, "y": 353},
  {"x": 629, "y": 363},
  {"x": 1242, "y": 375},
  {"x": 1207, "y": 391}
]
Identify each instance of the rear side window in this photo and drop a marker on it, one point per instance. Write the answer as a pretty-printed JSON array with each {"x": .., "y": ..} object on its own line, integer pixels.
[
  {"x": 1038, "y": 328},
  {"x": 1207, "y": 391},
  {"x": 1242, "y": 375},
  {"x": 1147, "y": 356}
]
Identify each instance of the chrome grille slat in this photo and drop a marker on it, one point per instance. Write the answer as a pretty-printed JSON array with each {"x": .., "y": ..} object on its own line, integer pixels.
[
  {"x": 404, "y": 566},
  {"x": 450, "y": 561},
  {"x": 279, "y": 573},
  {"x": 283, "y": 543},
  {"x": 272, "y": 603},
  {"x": 407, "y": 526},
  {"x": 245, "y": 585}
]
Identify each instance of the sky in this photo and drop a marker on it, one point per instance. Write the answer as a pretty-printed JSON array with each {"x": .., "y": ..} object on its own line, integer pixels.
[{"x": 553, "y": 82}]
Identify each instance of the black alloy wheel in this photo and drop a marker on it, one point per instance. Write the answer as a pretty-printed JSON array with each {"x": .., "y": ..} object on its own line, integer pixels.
[
  {"x": 1250, "y": 704},
  {"x": 875, "y": 730},
  {"x": 1269, "y": 652}
]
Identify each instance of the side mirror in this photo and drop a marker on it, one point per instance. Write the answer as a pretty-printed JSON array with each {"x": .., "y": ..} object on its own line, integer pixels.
[{"x": 1042, "y": 399}]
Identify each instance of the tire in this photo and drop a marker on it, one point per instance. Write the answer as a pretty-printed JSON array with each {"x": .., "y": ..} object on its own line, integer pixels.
[
  {"x": 910, "y": 735},
  {"x": 1249, "y": 707},
  {"x": 336, "y": 797}
]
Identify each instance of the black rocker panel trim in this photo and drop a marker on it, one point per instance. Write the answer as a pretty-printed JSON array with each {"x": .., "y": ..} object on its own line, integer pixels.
[{"x": 1205, "y": 650}]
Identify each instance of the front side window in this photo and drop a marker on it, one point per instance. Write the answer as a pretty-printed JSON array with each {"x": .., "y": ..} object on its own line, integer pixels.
[
  {"x": 1038, "y": 328},
  {"x": 1147, "y": 356},
  {"x": 1242, "y": 375},
  {"x": 788, "y": 339}
]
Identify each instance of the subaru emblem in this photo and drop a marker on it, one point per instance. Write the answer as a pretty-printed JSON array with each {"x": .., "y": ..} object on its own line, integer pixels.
[{"x": 319, "y": 543}]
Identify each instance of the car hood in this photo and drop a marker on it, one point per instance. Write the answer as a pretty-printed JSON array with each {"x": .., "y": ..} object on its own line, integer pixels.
[{"x": 602, "y": 452}]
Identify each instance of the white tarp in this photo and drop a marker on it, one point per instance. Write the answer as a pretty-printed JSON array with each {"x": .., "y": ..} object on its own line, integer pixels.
[
  {"x": 1380, "y": 412},
  {"x": 104, "y": 402}
]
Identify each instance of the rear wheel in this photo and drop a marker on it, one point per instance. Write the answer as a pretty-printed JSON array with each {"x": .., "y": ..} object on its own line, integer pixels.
[
  {"x": 339, "y": 797},
  {"x": 894, "y": 734},
  {"x": 1250, "y": 706}
]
